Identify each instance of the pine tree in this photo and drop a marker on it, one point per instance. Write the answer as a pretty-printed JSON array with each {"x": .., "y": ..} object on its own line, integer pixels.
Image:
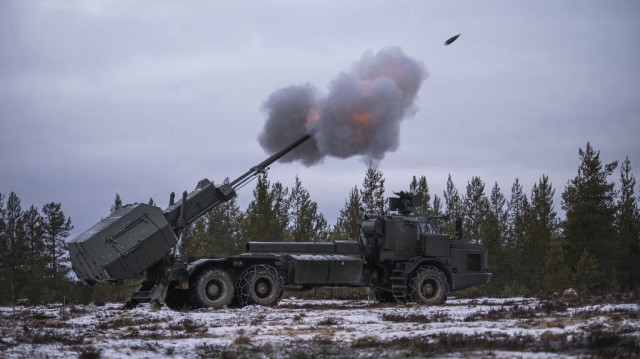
[
  {"x": 346, "y": 227},
  {"x": 56, "y": 228},
  {"x": 588, "y": 201},
  {"x": 372, "y": 190},
  {"x": 627, "y": 224},
  {"x": 422, "y": 208},
  {"x": 475, "y": 208}
]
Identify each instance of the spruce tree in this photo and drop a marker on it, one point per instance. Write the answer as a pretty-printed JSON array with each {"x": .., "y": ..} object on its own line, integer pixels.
[
  {"x": 346, "y": 227},
  {"x": 555, "y": 273},
  {"x": 452, "y": 200},
  {"x": 517, "y": 210},
  {"x": 322, "y": 230},
  {"x": 35, "y": 263},
  {"x": 475, "y": 208},
  {"x": 33, "y": 233},
  {"x": 56, "y": 228},
  {"x": 588, "y": 278},
  {"x": 437, "y": 206},
  {"x": 372, "y": 190},
  {"x": 497, "y": 203},
  {"x": 627, "y": 223},
  {"x": 588, "y": 201},
  {"x": 260, "y": 214},
  {"x": 453, "y": 207},
  {"x": 493, "y": 230},
  {"x": 306, "y": 224},
  {"x": 422, "y": 207},
  {"x": 4, "y": 245},
  {"x": 117, "y": 203},
  {"x": 541, "y": 226},
  {"x": 281, "y": 203},
  {"x": 193, "y": 240},
  {"x": 14, "y": 248},
  {"x": 267, "y": 216},
  {"x": 224, "y": 228}
]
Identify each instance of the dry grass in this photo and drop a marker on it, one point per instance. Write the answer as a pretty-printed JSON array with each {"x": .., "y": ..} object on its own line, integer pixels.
[{"x": 334, "y": 329}]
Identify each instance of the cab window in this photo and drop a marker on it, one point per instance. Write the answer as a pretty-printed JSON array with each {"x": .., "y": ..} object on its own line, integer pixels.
[{"x": 427, "y": 228}]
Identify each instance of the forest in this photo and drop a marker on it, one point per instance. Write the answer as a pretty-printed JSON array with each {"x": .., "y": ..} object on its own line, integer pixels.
[{"x": 594, "y": 248}]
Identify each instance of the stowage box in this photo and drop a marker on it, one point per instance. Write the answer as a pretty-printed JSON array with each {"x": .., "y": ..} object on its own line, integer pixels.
[{"x": 123, "y": 245}]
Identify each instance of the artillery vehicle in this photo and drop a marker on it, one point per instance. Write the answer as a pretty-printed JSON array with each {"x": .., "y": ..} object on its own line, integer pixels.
[{"x": 398, "y": 255}]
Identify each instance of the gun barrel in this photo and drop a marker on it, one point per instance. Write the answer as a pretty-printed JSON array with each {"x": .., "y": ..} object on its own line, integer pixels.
[{"x": 262, "y": 166}]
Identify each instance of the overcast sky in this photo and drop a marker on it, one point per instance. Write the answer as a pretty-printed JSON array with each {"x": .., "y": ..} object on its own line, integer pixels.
[{"x": 147, "y": 97}]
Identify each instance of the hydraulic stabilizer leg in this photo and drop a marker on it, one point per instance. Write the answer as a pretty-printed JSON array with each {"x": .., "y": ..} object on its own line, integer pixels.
[{"x": 158, "y": 293}]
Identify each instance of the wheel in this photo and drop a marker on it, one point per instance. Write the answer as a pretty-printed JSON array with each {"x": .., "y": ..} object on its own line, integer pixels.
[
  {"x": 177, "y": 299},
  {"x": 213, "y": 288},
  {"x": 260, "y": 284},
  {"x": 384, "y": 296},
  {"x": 428, "y": 285}
]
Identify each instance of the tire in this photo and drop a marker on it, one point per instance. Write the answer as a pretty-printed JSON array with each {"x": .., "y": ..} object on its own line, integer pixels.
[
  {"x": 177, "y": 299},
  {"x": 260, "y": 284},
  {"x": 428, "y": 285},
  {"x": 212, "y": 288}
]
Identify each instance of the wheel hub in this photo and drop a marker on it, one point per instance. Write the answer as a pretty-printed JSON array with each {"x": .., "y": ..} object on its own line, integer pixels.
[
  {"x": 428, "y": 289},
  {"x": 262, "y": 288},
  {"x": 213, "y": 290}
]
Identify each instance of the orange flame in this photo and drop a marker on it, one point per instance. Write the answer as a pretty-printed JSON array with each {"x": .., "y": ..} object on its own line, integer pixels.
[{"x": 362, "y": 120}]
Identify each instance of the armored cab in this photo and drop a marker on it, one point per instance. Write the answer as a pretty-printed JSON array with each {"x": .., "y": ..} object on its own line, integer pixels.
[{"x": 123, "y": 245}]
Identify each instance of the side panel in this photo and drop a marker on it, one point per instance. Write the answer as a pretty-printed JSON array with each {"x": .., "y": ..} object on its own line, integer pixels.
[{"x": 327, "y": 269}]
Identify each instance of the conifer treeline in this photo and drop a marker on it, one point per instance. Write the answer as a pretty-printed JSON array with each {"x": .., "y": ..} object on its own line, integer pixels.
[
  {"x": 33, "y": 251},
  {"x": 595, "y": 248}
]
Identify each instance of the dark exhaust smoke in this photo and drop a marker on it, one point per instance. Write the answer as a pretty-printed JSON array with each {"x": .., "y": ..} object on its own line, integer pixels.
[{"x": 360, "y": 114}]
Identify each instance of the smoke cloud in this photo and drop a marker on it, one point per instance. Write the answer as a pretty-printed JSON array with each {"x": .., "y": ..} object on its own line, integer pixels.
[{"x": 360, "y": 114}]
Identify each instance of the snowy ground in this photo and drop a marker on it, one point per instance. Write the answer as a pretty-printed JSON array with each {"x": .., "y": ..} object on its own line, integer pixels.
[{"x": 511, "y": 327}]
